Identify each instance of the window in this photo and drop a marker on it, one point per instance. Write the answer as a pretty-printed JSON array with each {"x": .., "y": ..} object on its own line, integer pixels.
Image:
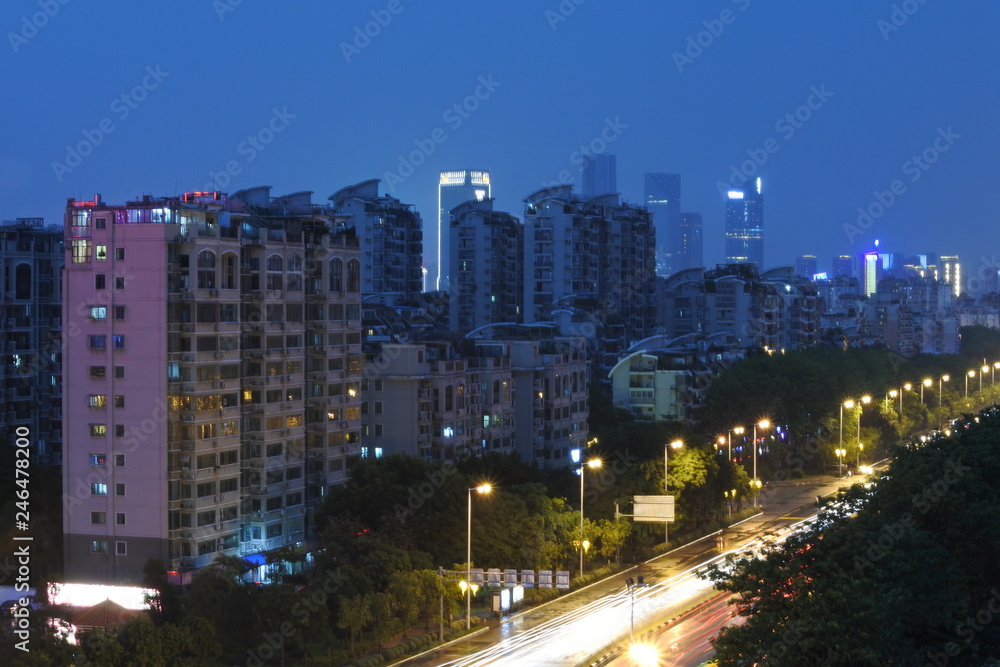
[
  {"x": 206, "y": 518},
  {"x": 120, "y": 459},
  {"x": 378, "y": 407},
  {"x": 100, "y": 223},
  {"x": 274, "y": 504},
  {"x": 119, "y": 282},
  {"x": 119, "y": 312},
  {"x": 206, "y": 269},
  {"x": 98, "y": 489},
  {"x": 119, "y": 489},
  {"x": 119, "y": 372},
  {"x": 119, "y": 401},
  {"x": 100, "y": 281},
  {"x": 336, "y": 275},
  {"x": 97, "y": 342},
  {"x": 120, "y": 433},
  {"x": 97, "y": 400},
  {"x": 98, "y": 312},
  {"x": 118, "y": 342},
  {"x": 98, "y": 459},
  {"x": 353, "y": 276},
  {"x": 97, "y": 372},
  {"x": 229, "y": 457},
  {"x": 227, "y": 485},
  {"x": 101, "y": 253},
  {"x": 120, "y": 548},
  {"x": 100, "y": 518},
  {"x": 274, "y": 531},
  {"x": 120, "y": 518},
  {"x": 81, "y": 252},
  {"x": 99, "y": 546},
  {"x": 119, "y": 253},
  {"x": 98, "y": 429},
  {"x": 378, "y": 430},
  {"x": 205, "y": 489}
]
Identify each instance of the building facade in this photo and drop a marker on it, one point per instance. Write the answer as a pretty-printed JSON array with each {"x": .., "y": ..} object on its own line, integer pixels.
[
  {"x": 213, "y": 394},
  {"x": 662, "y": 196},
  {"x": 487, "y": 260},
  {"x": 391, "y": 237},
  {"x": 454, "y": 188},
  {"x": 745, "y": 225},
  {"x": 31, "y": 265}
]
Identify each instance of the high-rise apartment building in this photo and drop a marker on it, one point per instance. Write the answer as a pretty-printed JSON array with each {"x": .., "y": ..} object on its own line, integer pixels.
[
  {"x": 212, "y": 395},
  {"x": 745, "y": 225},
  {"x": 390, "y": 234},
  {"x": 600, "y": 175},
  {"x": 691, "y": 253},
  {"x": 31, "y": 263},
  {"x": 843, "y": 265},
  {"x": 806, "y": 266},
  {"x": 487, "y": 266},
  {"x": 599, "y": 249},
  {"x": 662, "y": 195},
  {"x": 454, "y": 187}
]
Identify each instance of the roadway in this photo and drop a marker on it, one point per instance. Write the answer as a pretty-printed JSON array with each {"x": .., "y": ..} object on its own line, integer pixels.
[{"x": 574, "y": 627}]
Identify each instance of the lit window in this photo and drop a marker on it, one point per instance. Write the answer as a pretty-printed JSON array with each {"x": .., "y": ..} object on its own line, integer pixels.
[
  {"x": 99, "y": 546},
  {"x": 98, "y": 489},
  {"x": 98, "y": 459},
  {"x": 119, "y": 342},
  {"x": 97, "y": 400},
  {"x": 97, "y": 342},
  {"x": 101, "y": 253},
  {"x": 98, "y": 429},
  {"x": 98, "y": 312}
]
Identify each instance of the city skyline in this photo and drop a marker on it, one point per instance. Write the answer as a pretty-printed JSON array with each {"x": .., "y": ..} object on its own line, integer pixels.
[{"x": 836, "y": 117}]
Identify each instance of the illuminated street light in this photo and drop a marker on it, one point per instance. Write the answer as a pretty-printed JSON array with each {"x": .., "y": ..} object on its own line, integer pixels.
[
  {"x": 592, "y": 463},
  {"x": 644, "y": 655},
  {"x": 676, "y": 444},
  {"x": 840, "y": 451},
  {"x": 984, "y": 369},
  {"x": 926, "y": 383},
  {"x": 481, "y": 489},
  {"x": 861, "y": 448},
  {"x": 970, "y": 374},
  {"x": 943, "y": 378},
  {"x": 764, "y": 425}
]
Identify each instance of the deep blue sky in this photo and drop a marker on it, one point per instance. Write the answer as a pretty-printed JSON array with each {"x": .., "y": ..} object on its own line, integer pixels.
[{"x": 891, "y": 93}]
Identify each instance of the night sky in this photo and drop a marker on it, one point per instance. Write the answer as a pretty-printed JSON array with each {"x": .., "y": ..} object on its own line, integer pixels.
[{"x": 161, "y": 96}]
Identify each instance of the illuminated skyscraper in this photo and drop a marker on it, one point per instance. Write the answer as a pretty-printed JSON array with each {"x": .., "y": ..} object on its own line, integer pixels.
[
  {"x": 871, "y": 272},
  {"x": 745, "y": 225},
  {"x": 662, "y": 194},
  {"x": 454, "y": 188}
]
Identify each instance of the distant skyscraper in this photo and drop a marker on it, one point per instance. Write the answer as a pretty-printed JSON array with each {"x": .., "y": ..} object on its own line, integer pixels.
[
  {"x": 843, "y": 265},
  {"x": 805, "y": 265},
  {"x": 871, "y": 272},
  {"x": 690, "y": 254},
  {"x": 952, "y": 271},
  {"x": 454, "y": 188},
  {"x": 600, "y": 175},
  {"x": 745, "y": 225},
  {"x": 662, "y": 193}
]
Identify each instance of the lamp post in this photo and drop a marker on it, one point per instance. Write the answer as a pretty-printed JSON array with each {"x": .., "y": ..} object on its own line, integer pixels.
[
  {"x": 983, "y": 369},
  {"x": 861, "y": 448},
  {"x": 840, "y": 448},
  {"x": 943, "y": 378},
  {"x": 993, "y": 373},
  {"x": 970, "y": 374},
  {"x": 738, "y": 430},
  {"x": 481, "y": 489},
  {"x": 907, "y": 387},
  {"x": 865, "y": 400},
  {"x": 676, "y": 444},
  {"x": 592, "y": 463},
  {"x": 926, "y": 383},
  {"x": 892, "y": 394},
  {"x": 840, "y": 459},
  {"x": 764, "y": 425}
]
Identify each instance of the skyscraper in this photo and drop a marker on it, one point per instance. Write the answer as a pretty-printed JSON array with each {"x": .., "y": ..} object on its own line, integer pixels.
[
  {"x": 691, "y": 254},
  {"x": 745, "y": 225},
  {"x": 600, "y": 175},
  {"x": 843, "y": 265},
  {"x": 806, "y": 266},
  {"x": 662, "y": 194},
  {"x": 454, "y": 188}
]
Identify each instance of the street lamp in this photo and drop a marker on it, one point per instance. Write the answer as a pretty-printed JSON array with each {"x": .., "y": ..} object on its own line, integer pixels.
[
  {"x": 849, "y": 404},
  {"x": 840, "y": 459},
  {"x": 481, "y": 489},
  {"x": 993, "y": 374},
  {"x": 943, "y": 378},
  {"x": 764, "y": 425},
  {"x": 970, "y": 374},
  {"x": 592, "y": 463},
  {"x": 738, "y": 430},
  {"x": 676, "y": 444},
  {"x": 983, "y": 369},
  {"x": 926, "y": 383},
  {"x": 861, "y": 448},
  {"x": 891, "y": 394}
]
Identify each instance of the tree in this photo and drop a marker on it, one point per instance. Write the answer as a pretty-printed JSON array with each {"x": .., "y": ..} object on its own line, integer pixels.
[
  {"x": 404, "y": 589},
  {"x": 355, "y": 615}
]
